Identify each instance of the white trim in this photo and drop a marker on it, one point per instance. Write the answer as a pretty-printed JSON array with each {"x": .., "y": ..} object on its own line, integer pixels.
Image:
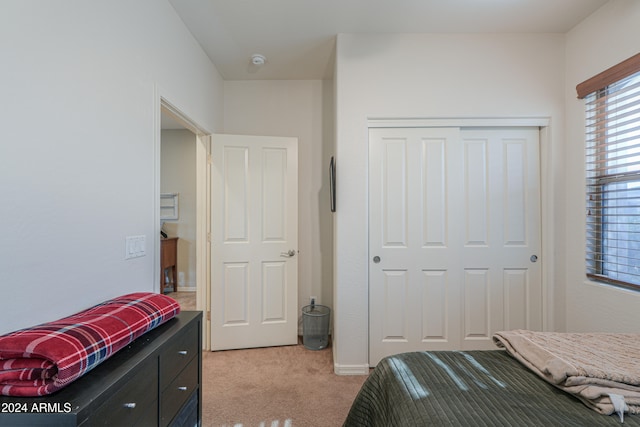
[
  {"x": 203, "y": 219},
  {"x": 339, "y": 369},
  {"x": 457, "y": 122},
  {"x": 547, "y": 230},
  {"x": 160, "y": 104},
  {"x": 180, "y": 116},
  {"x": 611, "y": 287},
  {"x": 157, "y": 225}
]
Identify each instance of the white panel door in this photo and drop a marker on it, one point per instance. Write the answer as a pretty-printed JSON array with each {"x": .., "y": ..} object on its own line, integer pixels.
[
  {"x": 453, "y": 222},
  {"x": 501, "y": 219},
  {"x": 254, "y": 262},
  {"x": 414, "y": 276}
]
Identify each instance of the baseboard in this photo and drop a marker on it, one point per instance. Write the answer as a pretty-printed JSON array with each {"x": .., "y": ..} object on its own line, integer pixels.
[
  {"x": 339, "y": 369},
  {"x": 187, "y": 289}
]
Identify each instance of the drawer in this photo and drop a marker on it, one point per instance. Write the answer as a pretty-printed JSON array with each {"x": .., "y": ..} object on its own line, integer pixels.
[
  {"x": 177, "y": 354},
  {"x": 179, "y": 390},
  {"x": 134, "y": 403}
]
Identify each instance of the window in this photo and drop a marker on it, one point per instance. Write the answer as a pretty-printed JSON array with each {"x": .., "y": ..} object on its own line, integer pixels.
[{"x": 613, "y": 176}]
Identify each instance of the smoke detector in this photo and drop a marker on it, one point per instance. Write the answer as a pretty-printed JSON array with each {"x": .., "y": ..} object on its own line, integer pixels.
[{"x": 257, "y": 59}]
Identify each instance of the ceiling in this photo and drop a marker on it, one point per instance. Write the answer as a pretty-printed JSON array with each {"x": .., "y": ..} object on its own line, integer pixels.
[{"x": 297, "y": 37}]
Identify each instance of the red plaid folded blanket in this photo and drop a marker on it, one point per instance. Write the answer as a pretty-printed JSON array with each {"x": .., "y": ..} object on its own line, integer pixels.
[{"x": 42, "y": 359}]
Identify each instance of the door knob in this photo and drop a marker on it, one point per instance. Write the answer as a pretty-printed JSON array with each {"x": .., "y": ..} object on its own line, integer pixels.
[
  {"x": 534, "y": 258},
  {"x": 376, "y": 259},
  {"x": 288, "y": 254}
]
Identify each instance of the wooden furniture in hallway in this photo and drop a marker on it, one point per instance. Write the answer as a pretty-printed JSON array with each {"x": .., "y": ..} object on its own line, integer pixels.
[{"x": 168, "y": 261}]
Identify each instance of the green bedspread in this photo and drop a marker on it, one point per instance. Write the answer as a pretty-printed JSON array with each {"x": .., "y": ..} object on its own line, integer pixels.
[{"x": 472, "y": 388}]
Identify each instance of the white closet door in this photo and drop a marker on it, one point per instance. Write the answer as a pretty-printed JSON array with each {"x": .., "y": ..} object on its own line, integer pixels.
[{"x": 453, "y": 223}]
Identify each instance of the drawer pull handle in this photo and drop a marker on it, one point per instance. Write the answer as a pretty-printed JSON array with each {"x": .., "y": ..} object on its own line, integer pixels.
[
  {"x": 182, "y": 388},
  {"x": 183, "y": 352},
  {"x": 130, "y": 405}
]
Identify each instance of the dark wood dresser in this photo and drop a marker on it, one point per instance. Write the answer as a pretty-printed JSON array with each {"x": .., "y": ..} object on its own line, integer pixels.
[{"x": 155, "y": 381}]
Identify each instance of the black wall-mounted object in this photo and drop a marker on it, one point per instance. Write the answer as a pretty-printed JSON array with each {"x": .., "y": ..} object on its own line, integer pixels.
[{"x": 332, "y": 183}]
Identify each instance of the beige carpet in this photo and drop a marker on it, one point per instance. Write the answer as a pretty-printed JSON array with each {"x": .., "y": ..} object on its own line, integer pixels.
[
  {"x": 275, "y": 387},
  {"x": 272, "y": 387}
]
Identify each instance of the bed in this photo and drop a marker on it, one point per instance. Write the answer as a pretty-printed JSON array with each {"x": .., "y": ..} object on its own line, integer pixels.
[{"x": 516, "y": 384}]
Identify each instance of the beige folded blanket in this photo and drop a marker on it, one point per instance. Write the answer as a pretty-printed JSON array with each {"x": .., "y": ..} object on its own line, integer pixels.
[{"x": 588, "y": 365}]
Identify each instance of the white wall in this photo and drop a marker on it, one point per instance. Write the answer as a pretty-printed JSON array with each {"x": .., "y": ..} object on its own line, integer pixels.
[
  {"x": 604, "y": 39},
  {"x": 178, "y": 175},
  {"x": 302, "y": 109},
  {"x": 426, "y": 75},
  {"x": 80, "y": 120}
]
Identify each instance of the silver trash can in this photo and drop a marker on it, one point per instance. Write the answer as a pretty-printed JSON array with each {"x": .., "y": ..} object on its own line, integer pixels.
[{"x": 315, "y": 326}]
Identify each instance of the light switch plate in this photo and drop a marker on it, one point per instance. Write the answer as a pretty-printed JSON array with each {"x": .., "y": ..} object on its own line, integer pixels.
[{"x": 136, "y": 246}]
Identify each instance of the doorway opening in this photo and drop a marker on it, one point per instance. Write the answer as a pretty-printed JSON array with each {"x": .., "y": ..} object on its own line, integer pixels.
[{"x": 183, "y": 176}]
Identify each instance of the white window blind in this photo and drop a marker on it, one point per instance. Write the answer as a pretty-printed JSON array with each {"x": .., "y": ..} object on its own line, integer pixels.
[{"x": 613, "y": 182}]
